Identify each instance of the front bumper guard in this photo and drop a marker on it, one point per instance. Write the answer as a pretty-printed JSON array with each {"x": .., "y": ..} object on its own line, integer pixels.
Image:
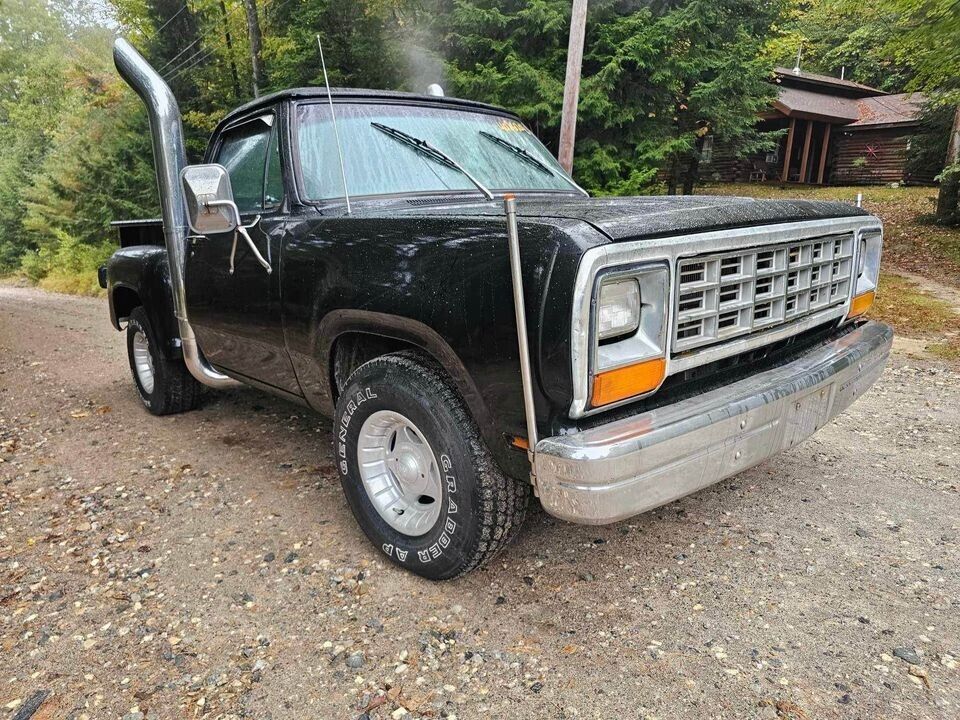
[{"x": 628, "y": 466}]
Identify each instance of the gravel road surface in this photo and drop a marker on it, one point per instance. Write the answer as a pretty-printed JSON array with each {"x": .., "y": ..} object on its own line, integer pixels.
[{"x": 207, "y": 565}]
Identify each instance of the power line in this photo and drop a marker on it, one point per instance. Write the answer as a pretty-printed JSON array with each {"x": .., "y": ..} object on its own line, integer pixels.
[
  {"x": 202, "y": 37},
  {"x": 162, "y": 28},
  {"x": 199, "y": 60},
  {"x": 195, "y": 41},
  {"x": 183, "y": 65},
  {"x": 200, "y": 55},
  {"x": 171, "y": 19}
]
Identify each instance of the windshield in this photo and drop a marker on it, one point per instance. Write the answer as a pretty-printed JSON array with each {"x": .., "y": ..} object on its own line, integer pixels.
[{"x": 379, "y": 162}]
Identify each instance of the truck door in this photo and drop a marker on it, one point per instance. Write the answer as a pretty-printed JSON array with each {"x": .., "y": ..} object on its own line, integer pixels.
[{"x": 236, "y": 316}]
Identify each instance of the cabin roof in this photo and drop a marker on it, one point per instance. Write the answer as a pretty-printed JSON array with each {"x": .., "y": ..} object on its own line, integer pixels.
[
  {"x": 854, "y": 112},
  {"x": 824, "y": 83},
  {"x": 902, "y": 109},
  {"x": 794, "y": 102},
  {"x": 340, "y": 94}
]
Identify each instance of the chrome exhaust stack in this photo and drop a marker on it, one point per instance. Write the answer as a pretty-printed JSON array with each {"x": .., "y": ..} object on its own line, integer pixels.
[{"x": 170, "y": 157}]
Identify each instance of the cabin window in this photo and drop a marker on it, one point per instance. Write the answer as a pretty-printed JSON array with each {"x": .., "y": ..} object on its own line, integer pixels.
[
  {"x": 251, "y": 154},
  {"x": 706, "y": 150},
  {"x": 273, "y": 185}
]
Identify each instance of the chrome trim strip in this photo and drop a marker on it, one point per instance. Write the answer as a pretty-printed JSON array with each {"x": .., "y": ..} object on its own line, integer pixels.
[
  {"x": 671, "y": 249},
  {"x": 628, "y": 466}
]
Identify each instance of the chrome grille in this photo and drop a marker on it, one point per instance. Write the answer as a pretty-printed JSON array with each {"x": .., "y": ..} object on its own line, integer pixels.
[{"x": 728, "y": 295}]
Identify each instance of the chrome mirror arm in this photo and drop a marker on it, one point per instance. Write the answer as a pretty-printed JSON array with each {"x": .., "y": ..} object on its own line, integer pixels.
[
  {"x": 240, "y": 228},
  {"x": 233, "y": 251}
]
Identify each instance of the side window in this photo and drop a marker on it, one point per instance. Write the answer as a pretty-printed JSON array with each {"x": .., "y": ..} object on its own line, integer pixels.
[
  {"x": 251, "y": 155},
  {"x": 273, "y": 185}
]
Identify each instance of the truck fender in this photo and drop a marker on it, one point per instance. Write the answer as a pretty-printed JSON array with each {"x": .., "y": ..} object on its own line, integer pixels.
[
  {"x": 140, "y": 275},
  {"x": 317, "y": 382}
]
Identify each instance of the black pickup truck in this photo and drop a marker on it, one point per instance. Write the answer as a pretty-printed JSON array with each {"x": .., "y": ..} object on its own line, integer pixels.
[{"x": 421, "y": 270}]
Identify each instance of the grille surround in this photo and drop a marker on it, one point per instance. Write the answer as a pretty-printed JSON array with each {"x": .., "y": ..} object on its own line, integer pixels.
[
  {"x": 686, "y": 244},
  {"x": 720, "y": 296}
]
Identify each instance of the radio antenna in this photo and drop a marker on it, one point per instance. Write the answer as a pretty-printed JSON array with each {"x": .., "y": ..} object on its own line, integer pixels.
[{"x": 336, "y": 133}]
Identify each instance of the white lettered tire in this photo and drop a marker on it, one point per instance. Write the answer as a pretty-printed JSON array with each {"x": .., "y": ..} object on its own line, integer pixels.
[
  {"x": 416, "y": 473},
  {"x": 164, "y": 386}
]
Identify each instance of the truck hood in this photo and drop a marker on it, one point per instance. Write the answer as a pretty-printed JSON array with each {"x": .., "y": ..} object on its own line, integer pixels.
[
  {"x": 657, "y": 216},
  {"x": 651, "y": 217}
]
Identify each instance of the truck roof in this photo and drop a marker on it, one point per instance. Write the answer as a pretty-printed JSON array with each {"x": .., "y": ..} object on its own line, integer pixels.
[{"x": 388, "y": 96}]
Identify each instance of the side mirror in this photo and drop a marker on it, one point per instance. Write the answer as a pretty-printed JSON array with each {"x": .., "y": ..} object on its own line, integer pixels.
[{"x": 209, "y": 197}]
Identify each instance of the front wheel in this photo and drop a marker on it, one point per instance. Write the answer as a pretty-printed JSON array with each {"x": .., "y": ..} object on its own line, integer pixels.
[
  {"x": 416, "y": 473},
  {"x": 164, "y": 386}
]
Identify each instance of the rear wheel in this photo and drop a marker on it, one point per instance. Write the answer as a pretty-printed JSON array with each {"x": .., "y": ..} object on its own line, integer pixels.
[
  {"x": 164, "y": 386},
  {"x": 416, "y": 473}
]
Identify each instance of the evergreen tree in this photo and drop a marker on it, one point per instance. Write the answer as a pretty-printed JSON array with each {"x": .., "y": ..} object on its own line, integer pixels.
[{"x": 656, "y": 79}]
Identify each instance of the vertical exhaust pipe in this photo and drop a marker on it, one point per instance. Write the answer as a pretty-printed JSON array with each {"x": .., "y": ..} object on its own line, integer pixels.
[{"x": 169, "y": 158}]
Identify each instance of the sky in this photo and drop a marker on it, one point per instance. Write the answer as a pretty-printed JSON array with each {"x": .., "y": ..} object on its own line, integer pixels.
[{"x": 90, "y": 12}]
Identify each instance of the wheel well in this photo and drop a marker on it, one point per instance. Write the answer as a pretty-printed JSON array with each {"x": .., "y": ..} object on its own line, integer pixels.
[
  {"x": 353, "y": 349},
  {"x": 124, "y": 301}
]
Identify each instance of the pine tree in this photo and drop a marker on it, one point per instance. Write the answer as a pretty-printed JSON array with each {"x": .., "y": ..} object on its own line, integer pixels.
[{"x": 656, "y": 80}]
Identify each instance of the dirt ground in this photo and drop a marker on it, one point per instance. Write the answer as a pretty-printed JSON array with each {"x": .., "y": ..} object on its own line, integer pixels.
[{"x": 207, "y": 565}]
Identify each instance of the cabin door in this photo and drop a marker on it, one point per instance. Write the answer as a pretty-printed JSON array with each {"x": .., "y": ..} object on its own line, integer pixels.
[{"x": 236, "y": 315}]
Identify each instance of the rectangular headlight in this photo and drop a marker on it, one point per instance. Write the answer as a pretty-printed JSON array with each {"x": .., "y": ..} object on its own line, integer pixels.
[
  {"x": 629, "y": 344},
  {"x": 618, "y": 312}
]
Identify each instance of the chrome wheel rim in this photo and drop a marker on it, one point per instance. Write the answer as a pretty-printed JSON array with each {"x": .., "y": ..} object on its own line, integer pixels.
[
  {"x": 143, "y": 361},
  {"x": 400, "y": 473}
]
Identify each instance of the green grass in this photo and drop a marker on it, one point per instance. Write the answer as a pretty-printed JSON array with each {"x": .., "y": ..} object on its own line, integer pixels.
[
  {"x": 73, "y": 283},
  {"x": 903, "y": 304},
  {"x": 912, "y": 240},
  {"x": 67, "y": 266}
]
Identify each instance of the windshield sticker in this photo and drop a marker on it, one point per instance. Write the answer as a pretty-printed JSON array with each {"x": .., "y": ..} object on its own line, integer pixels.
[{"x": 511, "y": 126}]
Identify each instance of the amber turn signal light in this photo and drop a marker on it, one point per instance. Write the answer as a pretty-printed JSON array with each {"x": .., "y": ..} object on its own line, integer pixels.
[
  {"x": 625, "y": 382},
  {"x": 861, "y": 303}
]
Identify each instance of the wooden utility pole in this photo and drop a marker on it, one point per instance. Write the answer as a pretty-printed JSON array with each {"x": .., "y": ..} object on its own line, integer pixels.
[
  {"x": 571, "y": 88},
  {"x": 948, "y": 200},
  {"x": 256, "y": 42}
]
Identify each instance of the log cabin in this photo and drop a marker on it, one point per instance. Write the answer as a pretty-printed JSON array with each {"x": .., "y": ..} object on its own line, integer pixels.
[{"x": 832, "y": 131}]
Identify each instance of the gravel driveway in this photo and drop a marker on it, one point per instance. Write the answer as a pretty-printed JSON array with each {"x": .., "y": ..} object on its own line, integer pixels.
[{"x": 207, "y": 565}]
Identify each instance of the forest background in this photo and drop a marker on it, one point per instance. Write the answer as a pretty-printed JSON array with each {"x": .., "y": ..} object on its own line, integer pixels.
[{"x": 658, "y": 77}]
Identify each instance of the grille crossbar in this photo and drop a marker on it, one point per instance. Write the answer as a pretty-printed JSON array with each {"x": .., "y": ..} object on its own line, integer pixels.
[{"x": 726, "y": 295}]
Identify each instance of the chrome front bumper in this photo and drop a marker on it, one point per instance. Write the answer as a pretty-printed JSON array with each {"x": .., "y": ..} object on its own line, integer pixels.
[{"x": 628, "y": 466}]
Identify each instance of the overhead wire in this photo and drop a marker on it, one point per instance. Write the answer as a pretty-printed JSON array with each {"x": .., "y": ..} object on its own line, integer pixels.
[
  {"x": 171, "y": 19},
  {"x": 201, "y": 54},
  {"x": 203, "y": 36}
]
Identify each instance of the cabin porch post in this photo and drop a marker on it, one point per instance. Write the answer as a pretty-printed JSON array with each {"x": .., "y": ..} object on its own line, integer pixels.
[
  {"x": 785, "y": 175},
  {"x": 805, "y": 155},
  {"x": 823, "y": 152}
]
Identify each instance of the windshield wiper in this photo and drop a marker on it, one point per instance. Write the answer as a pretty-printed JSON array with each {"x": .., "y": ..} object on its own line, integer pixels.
[
  {"x": 519, "y": 152},
  {"x": 428, "y": 150},
  {"x": 527, "y": 157}
]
